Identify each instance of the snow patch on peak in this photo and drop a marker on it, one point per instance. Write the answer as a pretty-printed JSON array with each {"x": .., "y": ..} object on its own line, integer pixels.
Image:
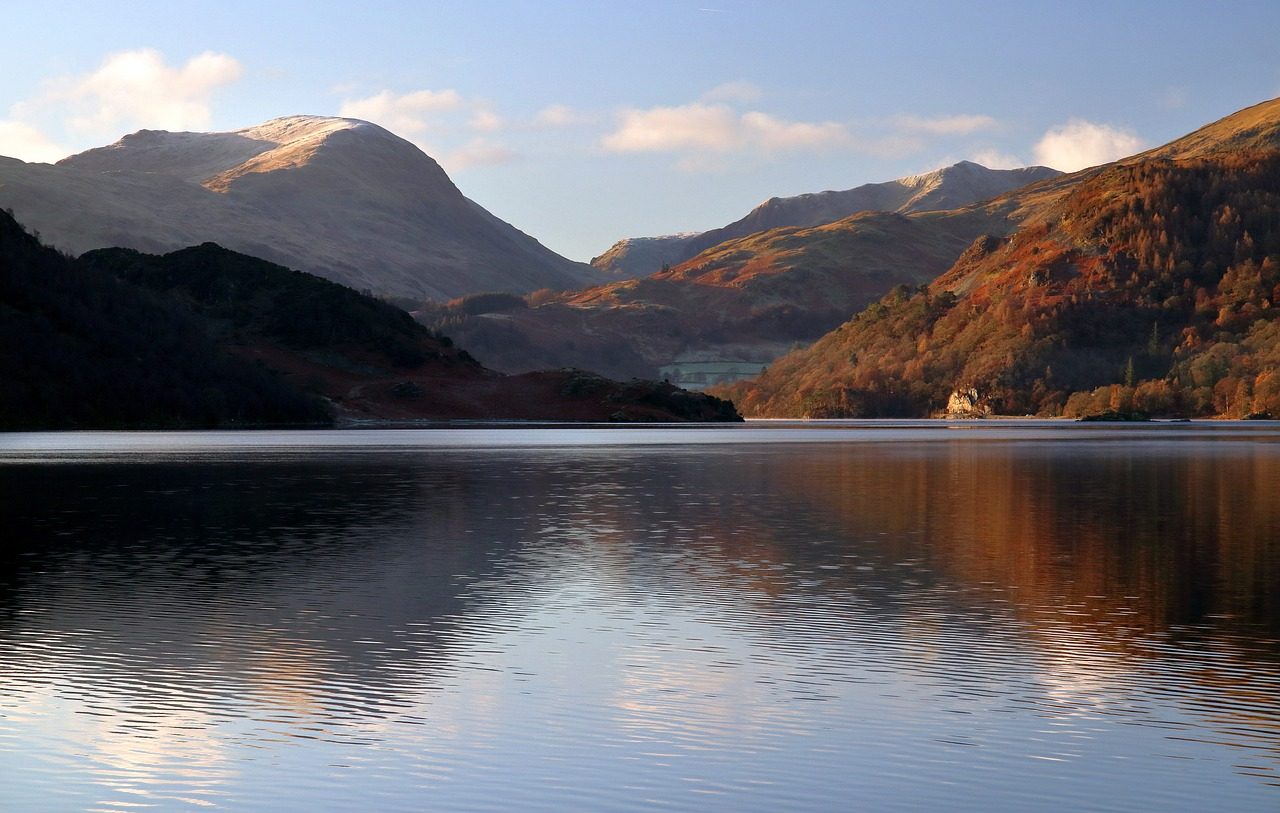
[{"x": 291, "y": 129}]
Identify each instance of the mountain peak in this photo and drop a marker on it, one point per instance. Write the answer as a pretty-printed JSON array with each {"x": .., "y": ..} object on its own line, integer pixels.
[
  {"x": 339, "y": 197},
  {"x": 215, "y": 160}
]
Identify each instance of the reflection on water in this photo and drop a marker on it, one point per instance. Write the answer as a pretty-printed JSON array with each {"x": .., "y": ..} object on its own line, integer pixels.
[{"x": 761, "y": 619}]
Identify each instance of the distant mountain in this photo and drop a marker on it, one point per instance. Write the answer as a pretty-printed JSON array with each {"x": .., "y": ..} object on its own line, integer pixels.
[
  {"x": 340, "y": 198},
  {"x": 205, "y": 336},
  {"x": 1150, "y": 285},
  {"x": 947, "y": 188},
  {"x": 748, "y": 299}
]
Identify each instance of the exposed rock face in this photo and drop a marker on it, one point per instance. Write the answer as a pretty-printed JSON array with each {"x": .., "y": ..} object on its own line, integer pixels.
[
  {"x": 947, "y": 188},
  {"x": 967, "y": 403},
  {"x": 340, "y": 198}
]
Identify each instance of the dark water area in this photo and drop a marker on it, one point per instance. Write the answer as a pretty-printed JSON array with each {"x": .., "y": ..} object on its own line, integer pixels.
[{"x": 894, "y": 616}]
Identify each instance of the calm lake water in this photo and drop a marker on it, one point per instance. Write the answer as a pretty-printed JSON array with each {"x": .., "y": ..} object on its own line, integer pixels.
[{"x": 828, "y": 617}]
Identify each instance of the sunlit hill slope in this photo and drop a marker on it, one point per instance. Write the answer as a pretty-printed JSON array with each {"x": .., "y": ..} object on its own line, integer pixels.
[{"x": 1147, "y": 285}]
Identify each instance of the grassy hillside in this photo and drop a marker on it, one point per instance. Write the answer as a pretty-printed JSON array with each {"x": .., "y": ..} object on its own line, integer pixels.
[{"x": 754, "y": 296}]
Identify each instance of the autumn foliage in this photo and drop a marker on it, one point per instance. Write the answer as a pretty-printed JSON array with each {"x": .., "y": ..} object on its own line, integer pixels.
[{"x": 1151, "y": 286}]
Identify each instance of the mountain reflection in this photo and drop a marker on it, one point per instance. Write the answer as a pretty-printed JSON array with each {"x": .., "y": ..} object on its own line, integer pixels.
[{"x": 189, "y": 610}]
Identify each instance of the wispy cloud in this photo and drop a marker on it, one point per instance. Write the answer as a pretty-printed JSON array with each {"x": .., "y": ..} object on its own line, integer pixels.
[
  {"x": 448, "y": 119},
  {"x": 946, "y": 125},
  {"x": 560, "y": 115},
  {"x": 129, "y": 90},
  {"x": 406, "y": 114},
  {"x": 478, "y": 152},
  {"x": 23, "y": 141},
  {"x": 1079, "y": 144},
  {"x": 734, "y": 93},
  {"x": 717, "y": 128},
  {"x": 995, "y": 159},
  {"x": 485, "y": 120}
]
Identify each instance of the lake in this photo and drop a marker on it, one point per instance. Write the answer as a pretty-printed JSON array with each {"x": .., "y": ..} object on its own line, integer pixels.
[{"x": 824, "y": 616}]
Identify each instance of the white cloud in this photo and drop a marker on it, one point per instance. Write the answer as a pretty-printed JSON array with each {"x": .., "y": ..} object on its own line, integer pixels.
[
  {"x": 23, "y": 141},
  {"x": 665, "y": 129},
  {"x": 406, "y": 114},
  {"x": 485, "y": 120},
  {"x": 1079, "y": 144},
  {"x": 133, "y": 89},
  {"x": 946, "y": 125},
  {"x": 478, "y": 152},
  {"x": 129, "y": 90},
  {"x": 716, "y": 128},
  {"x": 994, "y": 159},
  {"x": 775, "y": 134},
  {"x": 731, "y": 92},
  {"x": 559, "y": 115}
]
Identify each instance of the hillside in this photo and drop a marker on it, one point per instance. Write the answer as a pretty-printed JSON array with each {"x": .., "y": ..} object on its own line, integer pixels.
[
  {"x": 947, "y": 188},
  {"x": 339, "y": 198},
  {"x": 751, "y": 298},
  {"x": 205, "y": 336},
  {"x": 1146, "y": 285},
  {"x": 80, "y": 349}
]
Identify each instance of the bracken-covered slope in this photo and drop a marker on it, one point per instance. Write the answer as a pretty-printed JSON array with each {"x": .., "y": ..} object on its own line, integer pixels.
[
  {"x": 340, "y": 198},
  {"x": 751, "y": 298},
  {"x": 946, "y": 188},
  {"x": 1150, "y": 285}
]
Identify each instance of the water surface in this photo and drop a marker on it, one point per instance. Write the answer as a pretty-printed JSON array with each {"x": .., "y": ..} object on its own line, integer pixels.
[{"x": 770, "y": 617}]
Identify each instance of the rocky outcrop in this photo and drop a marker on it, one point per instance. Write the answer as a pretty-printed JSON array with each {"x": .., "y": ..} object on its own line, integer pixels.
[{"x": 967, "y": 403}]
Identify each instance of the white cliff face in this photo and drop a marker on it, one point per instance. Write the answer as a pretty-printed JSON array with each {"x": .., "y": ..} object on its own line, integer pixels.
[{"x": 341, "y": 198}]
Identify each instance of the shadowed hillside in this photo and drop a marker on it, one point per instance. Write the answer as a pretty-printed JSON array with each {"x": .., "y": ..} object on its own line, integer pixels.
[
  {"x": 205, "y": 336},
  {"x": 84, "y": 349}
]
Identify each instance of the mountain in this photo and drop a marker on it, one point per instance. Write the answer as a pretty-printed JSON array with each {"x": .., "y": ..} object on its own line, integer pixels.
[
  {"x": 748, "y": 299},
  {"x": 205, "y": 336},
  {"x": 947, "y": 188},
  {"x": 340, "y": 198},
  {"x": 80, "y": 349},
  {"x": 1150, "y": 285}
]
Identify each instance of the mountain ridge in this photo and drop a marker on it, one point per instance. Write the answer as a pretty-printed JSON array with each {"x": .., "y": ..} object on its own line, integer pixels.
[
  {"x": 342, "y": 198},
  {"x": 944, "y": 188}
]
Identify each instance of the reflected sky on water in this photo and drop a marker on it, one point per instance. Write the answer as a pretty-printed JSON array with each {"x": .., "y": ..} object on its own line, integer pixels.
[{"x": 827, "y": 616}]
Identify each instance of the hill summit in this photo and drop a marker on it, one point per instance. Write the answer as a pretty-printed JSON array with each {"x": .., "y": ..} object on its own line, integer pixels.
[{"x": 342, "y": 198}]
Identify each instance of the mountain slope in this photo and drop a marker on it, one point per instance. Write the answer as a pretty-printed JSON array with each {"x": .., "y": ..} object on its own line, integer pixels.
[
  {"x": 205, "y": 336},
  {"x": 341, "y": 198},
  {"x": 946, "y": 188},
  {"x": 1150, "y": 284},
  {"x": 748, "y": 299},
  {"x": 368, "y": 359}
]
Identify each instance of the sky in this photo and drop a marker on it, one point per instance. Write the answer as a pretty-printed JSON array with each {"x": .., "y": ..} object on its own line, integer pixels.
[{"x": 583, "y": 123}]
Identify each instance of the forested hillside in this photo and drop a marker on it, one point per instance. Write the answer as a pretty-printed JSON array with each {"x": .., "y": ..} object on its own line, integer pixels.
[
  {"x": 1151, "y": 286},
  {"x": 84, "y": 349}
]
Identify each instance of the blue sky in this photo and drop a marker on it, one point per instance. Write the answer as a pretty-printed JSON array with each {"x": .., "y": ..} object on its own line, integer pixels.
[{"x": 583, "y": 123}]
